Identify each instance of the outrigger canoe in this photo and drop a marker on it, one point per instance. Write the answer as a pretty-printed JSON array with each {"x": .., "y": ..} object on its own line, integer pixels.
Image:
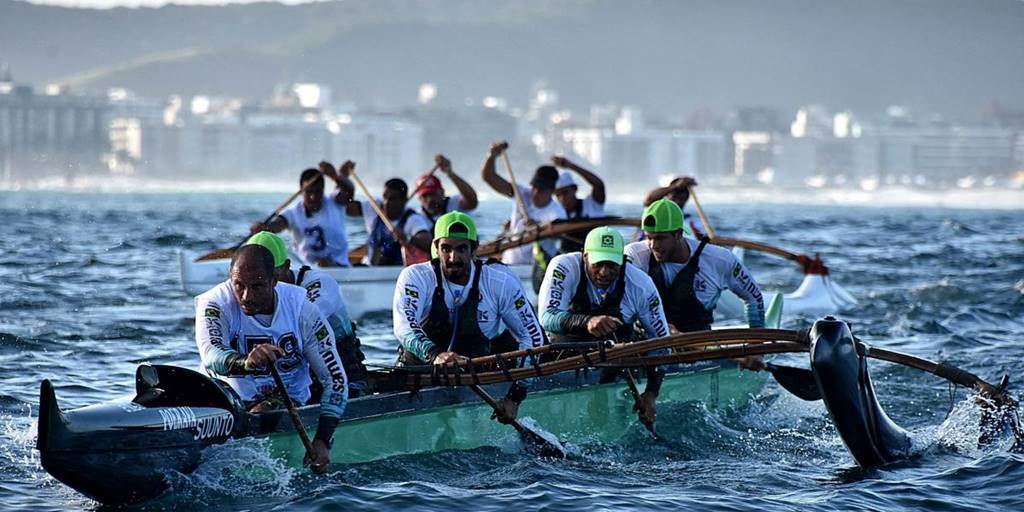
[{"x": 121, "y": 451}]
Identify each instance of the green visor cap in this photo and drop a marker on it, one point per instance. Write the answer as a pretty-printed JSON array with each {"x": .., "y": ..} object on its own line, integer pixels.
[
  {"x": 603, "y": 244},
  {"x": 273, "y": 243},
  {"x": 455, "y": 225},
  {"x": 662, "y": 216}
]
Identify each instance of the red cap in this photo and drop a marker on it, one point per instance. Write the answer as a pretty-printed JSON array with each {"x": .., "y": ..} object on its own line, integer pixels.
[{"x": 427, "y": 184}]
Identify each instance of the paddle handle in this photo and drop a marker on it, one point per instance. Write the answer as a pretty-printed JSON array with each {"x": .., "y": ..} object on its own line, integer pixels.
[
  {"x": 277, "y": 211},
  {"x": 700, "y": 211},
  {"x": 374, "y": 205},
  {"x": 296, "y": 420},
  {"x": 428, "y": 173},
  {"x": 515, "y": 187}
]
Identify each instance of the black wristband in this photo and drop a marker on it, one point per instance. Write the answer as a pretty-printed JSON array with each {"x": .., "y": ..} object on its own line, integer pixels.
[
  {"x": 516, "y": 392},
  {"x": 325, "y": 429},
  {"x": 576, "y": 323},
  {"x": 236, "y": 365}
]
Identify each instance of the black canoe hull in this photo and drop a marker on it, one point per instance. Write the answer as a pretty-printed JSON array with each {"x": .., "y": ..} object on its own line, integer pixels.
[{"x": 842, "y": 376}]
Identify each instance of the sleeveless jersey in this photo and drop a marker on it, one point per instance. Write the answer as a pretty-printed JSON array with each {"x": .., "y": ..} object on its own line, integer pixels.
[{"x": 321, "y": 235}]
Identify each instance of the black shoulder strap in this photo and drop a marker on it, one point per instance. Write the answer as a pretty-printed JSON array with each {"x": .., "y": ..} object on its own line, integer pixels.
[
  {"x": 405, "y": 216},
  {"x": 302, "y": 274}
]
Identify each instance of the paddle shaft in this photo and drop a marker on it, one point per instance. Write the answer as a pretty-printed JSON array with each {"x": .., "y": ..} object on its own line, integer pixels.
[
  {"x": 429, "y": 173},
  {"x": 221, "y": 253},
  {"x": 700, "y": 212},
  {"x": 635, "y": 391},
  {"x": 546, "y": 447},
  {"x": 296, "y": 420},
  {"x": 515, "y": 187},
  {"x": 376, "y": 207}
]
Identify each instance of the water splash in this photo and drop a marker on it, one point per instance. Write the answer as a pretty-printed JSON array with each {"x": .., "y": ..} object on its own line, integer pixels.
[{"x": 236, "y": 469}]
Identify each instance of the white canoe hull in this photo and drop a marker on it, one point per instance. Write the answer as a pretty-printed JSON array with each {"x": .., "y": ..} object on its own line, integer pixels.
[{"x": 365, "y": 289}]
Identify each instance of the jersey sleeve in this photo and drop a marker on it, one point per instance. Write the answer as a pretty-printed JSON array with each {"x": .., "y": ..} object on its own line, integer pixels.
[
  {"x": 212, "y": 326},
  {"x": 289, "y": 214},
  {"x": 649, "y": 308},
  {"x": 638, "y": 255},
  {"x": 409, "y": 309},
  {"x": 326, "y": 294},
  {"x": 319, "y": 348},
  {"x": 517, "y": 313},
  {"x": 415, "y": 224},
  {"x": 556, "y": 291},
  {"x": 746, "y": 288}
]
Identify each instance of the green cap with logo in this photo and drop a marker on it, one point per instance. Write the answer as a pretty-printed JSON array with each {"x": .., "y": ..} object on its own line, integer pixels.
[
  {"x": 455, "y": 225},
  {"x": 662, "y": 216},
  {"x": 603, "y": 244},
  {"x": 273, "y": 243}
]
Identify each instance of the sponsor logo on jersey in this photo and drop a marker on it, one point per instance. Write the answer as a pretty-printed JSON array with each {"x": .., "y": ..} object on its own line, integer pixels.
[{"x": 313, "y": 291}]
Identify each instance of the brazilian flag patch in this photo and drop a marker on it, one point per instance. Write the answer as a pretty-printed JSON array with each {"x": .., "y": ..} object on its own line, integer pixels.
[
  {"x": 212, "y": 313},
  {"x": 520, "y": 302},
  {"x": 558, "y": 274},
  {"x": 412, "y": 293},
  {"x": 321, "y": 333}
]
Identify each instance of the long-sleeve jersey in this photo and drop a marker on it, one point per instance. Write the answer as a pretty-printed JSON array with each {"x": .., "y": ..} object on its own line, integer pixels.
[
  {"x": 639, "y": 302},
  {"x": 224, "y": 334},
  {"x": 324, "y": 291},
  {"x": 503, "y": 304},
  {"x": 719, "y": 270}
]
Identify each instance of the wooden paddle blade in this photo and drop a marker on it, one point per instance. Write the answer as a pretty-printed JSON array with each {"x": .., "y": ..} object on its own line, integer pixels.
[
  {"x": 219, "y": 254},
  {"x": 544, "y": 446},
  {"x": 799, "y": 381}
]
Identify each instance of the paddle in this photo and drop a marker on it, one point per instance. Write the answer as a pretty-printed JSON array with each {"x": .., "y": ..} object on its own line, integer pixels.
[
  {"x": 296, "y": 420},
  {"x": 544, "y": 446},
  {"x": 636, "y": 402},
  {"x": 515, "y": 188},
  {"x": 220, "y": 254},
  {"x": 380, "y": 213},
  {"x": 700, "y": 212},
  {"x": 428, "y": 173}
]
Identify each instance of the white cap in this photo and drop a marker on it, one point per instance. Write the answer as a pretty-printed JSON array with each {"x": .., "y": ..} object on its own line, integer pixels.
[{"x": 565, "y": 180}]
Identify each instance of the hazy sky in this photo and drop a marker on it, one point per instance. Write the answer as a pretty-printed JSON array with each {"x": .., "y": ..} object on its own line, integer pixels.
[{"x": 150, "y": 3}]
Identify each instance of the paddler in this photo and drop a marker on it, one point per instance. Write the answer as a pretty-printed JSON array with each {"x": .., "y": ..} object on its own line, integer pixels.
[
  {"x": 433, "y": 201},
  {"x": 538, "y": 199},
  {"x": 323, "y": 291},
  {"x": 317, "y": 227},
  {"x": 576, "y": 208},
  {"x": 457, "y": 306},
  {"x": 690, "y": 275},
  {"x": 598, "y": 294},
  {"x": 251, "y": 321},
  {"x": 678, "y": 191},
  {"x": 412, "y": 229}
]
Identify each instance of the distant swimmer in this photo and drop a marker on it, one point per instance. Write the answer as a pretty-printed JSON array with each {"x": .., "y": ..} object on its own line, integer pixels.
[
  {"x": 541, "y": 206},
  {"x": 317, "y": 227},
  {"x": 433, "y": 201},
  {"x": 323, "y": 291},
  {"x": 457, "y": 306},
  {"x": 598, "y": 295},
  {"x": 251, "y": 321},
  {"x": 678, "y": 192},
  {"x": 691, "y": 275},
  {"x": 575, "y": 208}
]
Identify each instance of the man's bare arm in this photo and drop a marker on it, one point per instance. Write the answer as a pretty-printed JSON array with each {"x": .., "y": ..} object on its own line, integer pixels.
[{"x": 490, "y": 176}]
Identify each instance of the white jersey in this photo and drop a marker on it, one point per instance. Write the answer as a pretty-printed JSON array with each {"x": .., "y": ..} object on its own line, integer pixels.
[
  {"x": 588, "y": 209},
  {"x": 321, "y": 235},
  {"x": 503, "y": 304},
  {"x": 550, "y": 213},
  {"x": 224, "y": 332},
  {"x": 323, "y": 291},
  {"x": 640, "y": 302},
  {"x": 719, "y": 270}
]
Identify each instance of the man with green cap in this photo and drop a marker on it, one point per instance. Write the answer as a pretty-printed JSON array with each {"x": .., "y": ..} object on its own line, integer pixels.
[
  {"x": 457, "y": 306},
  {"x": 324, "y": 292},
  {"x": 598, "y": 294},
  {"x": 690, "y": 275}
]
